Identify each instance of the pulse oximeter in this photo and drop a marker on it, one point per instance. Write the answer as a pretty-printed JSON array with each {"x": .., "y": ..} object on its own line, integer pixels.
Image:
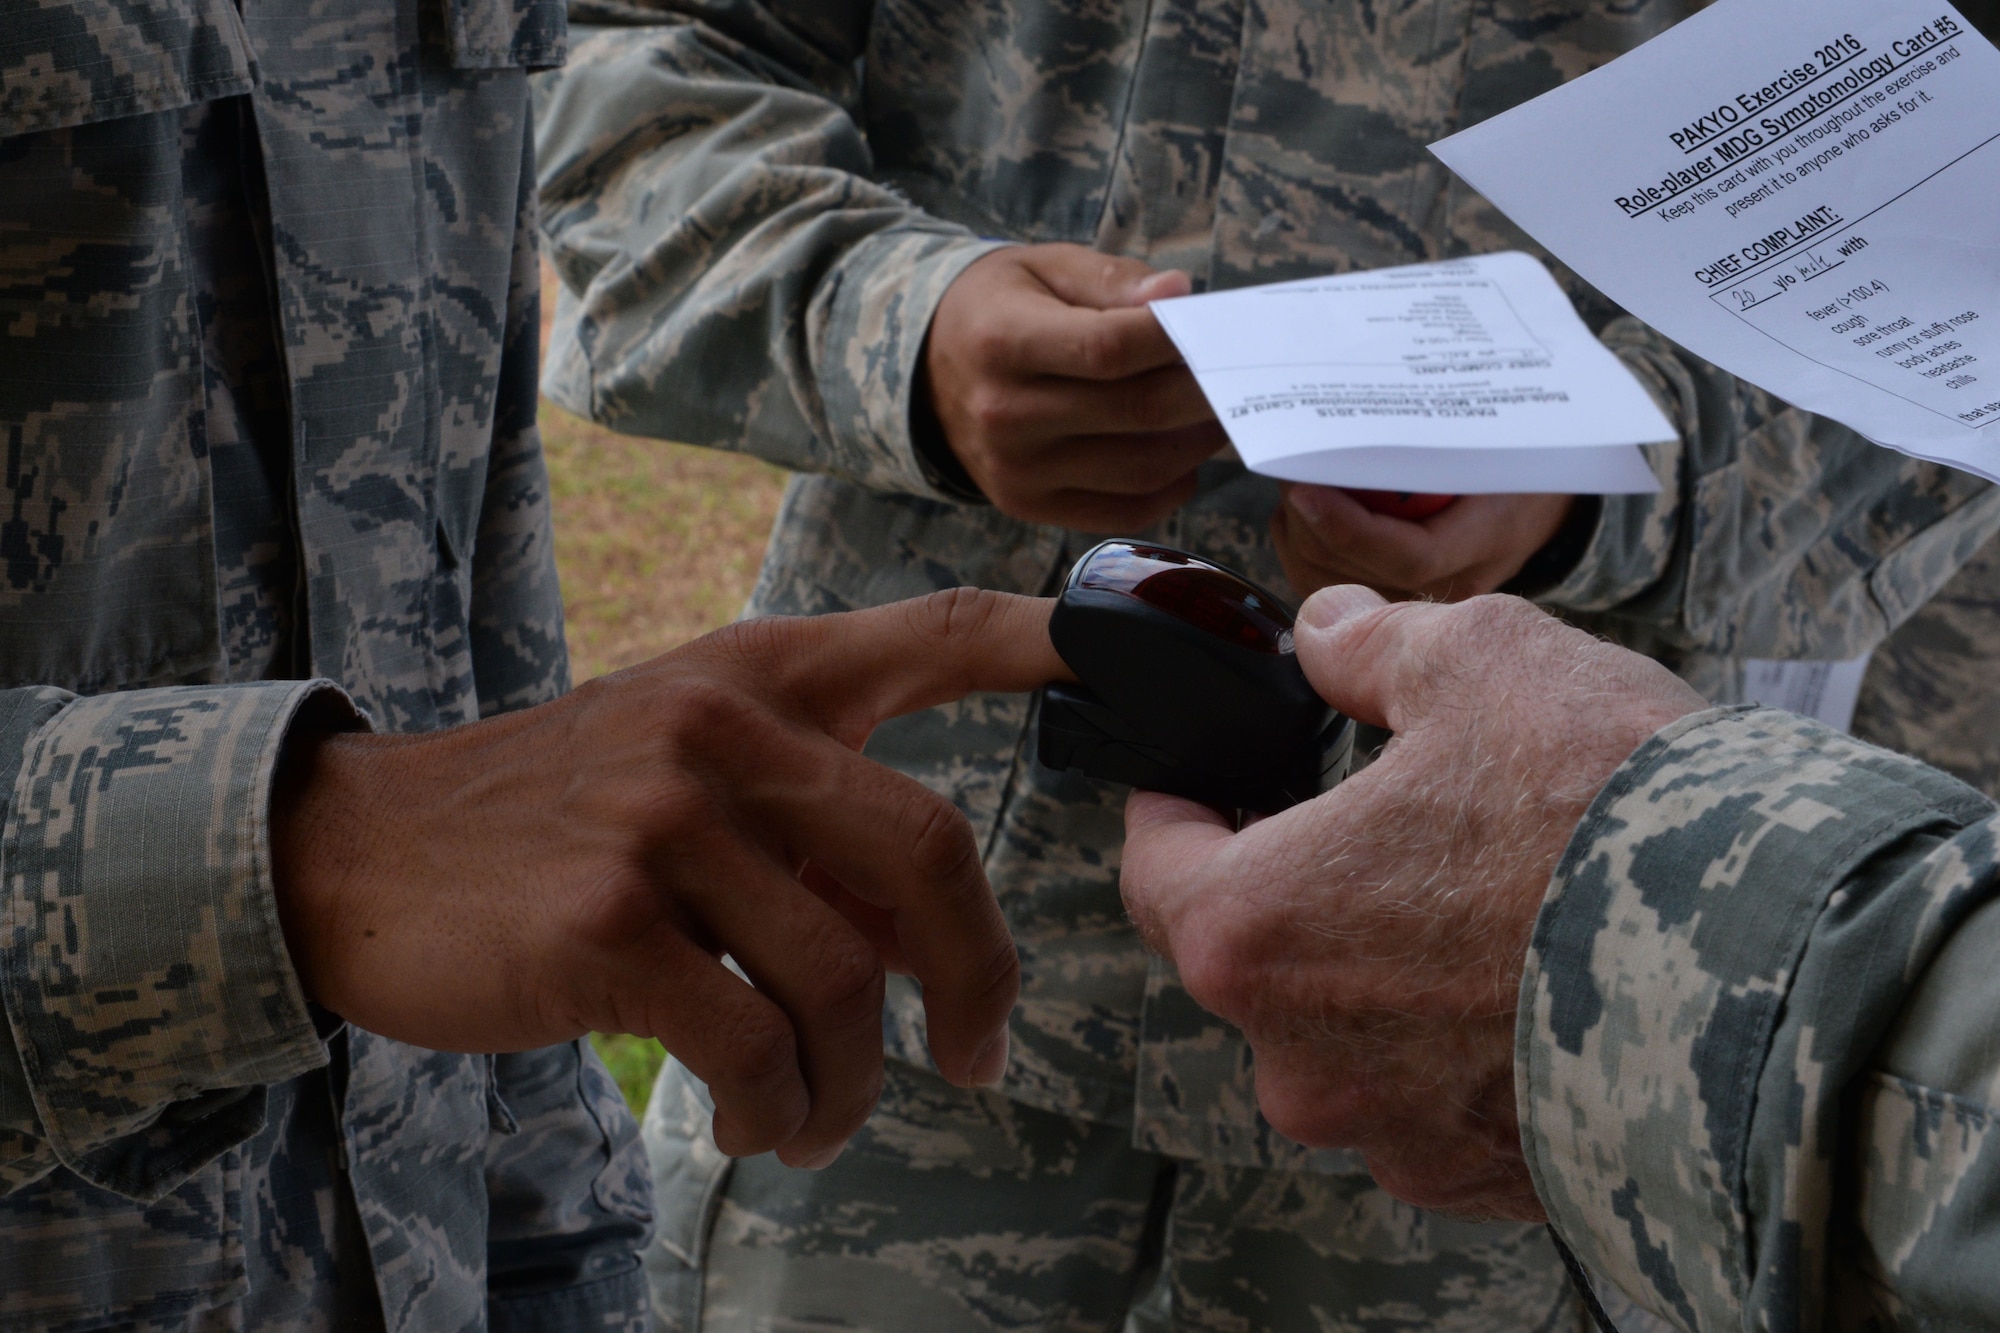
[{"x": 1188, "y": 684}]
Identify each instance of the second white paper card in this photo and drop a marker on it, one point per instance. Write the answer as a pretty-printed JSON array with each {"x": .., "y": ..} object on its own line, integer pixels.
[{"x": 1464, "y": 377}]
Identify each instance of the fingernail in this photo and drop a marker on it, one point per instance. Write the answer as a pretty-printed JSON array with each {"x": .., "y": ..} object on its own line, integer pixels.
[
  {"x": 990, "y": 1065},
  {"x": 822, "y": 1161},
  {"x": 1161, "y": 286},
  {"x": 1330, "y": 607}
]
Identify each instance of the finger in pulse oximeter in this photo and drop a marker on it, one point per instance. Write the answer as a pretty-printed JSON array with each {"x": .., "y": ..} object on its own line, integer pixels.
[{"x": 1188, "y": 684}]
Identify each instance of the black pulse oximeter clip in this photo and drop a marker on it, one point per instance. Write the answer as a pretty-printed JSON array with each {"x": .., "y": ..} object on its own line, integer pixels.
[{"x": 1189, "y": 685}]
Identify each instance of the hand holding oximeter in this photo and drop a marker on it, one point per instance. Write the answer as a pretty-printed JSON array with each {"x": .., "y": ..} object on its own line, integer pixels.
[{"x": 1189, "y": 685}]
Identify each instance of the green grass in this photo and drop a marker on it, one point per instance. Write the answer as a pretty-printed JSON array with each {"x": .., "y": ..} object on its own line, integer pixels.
[
  {"x": 634, "y": 1062},
  {"x": 657, "y": 544}
]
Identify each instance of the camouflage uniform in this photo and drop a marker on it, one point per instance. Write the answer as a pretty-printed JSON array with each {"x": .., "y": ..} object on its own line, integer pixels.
[
  {"x": 1930, "y": 690},
  {"x": 1758, "y": 1072},
  {"x": 755, "y": 206},
  {"x": 267, "y": 346}
]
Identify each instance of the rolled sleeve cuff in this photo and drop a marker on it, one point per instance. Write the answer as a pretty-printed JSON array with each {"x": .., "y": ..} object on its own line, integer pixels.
[
  {"x": 1661, "y": 966},
  {"x": 146, "y": 977},
  {"x": 873, "y": 325},
  {"x": 1631, "y": 547}
]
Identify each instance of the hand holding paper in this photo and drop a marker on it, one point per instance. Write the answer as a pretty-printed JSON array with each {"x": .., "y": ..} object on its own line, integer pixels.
[
  {"x": 1324, "y": 536},
  {"x": 1059, "y": 396}
]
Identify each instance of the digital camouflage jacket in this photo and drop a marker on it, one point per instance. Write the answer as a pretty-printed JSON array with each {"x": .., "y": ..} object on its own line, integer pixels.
[
  {"x": 267, "y": 348},
  {"x": 1759, "y": 1037},
  {"x": 755, "y": 206}
]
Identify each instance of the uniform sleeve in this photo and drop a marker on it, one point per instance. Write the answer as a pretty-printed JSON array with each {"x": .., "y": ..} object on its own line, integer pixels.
[
  {"x": 731, "y": 277},
  {"x": 1759, "y": 1041},
  {"x": 149, "y": 996},
  {"x": 1777, "y": 533}
]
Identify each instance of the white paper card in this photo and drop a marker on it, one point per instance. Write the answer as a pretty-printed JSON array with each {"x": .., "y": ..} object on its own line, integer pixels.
[
  {"x": 1464, "y": 377},
  {"x": 1802, "y": 191},
  {"x": 1824, "y": 691}
]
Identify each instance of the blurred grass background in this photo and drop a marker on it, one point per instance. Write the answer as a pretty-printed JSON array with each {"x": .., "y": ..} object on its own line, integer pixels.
[{"x": 657, "y": 544}]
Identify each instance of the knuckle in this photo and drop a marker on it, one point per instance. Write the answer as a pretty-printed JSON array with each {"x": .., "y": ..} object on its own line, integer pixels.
[
  {"x": 943, "y": 852},
  {"x": 1310, "y": 1101},
  {"x": 1494, "y": 621},
  {"x": 762, "y": 1048},
  {"x": 1007, "y": 476},
  {"x": 612, "y": 906},
  {"x": 947, "y": 619},
  {"x": 991, "y": 346},
  {"x": 754, "y": 643},
  {"x": 1219, "y": 971},
  {"x": 1306, "y": 1116},
  {"x": 847, "y": 982},
  {"x": 990, "y": 407},
  {"x": 1492, "y": 613},
  {"x": 1098, "y": 350},
  {"x": 706, "y": 716},
  {"x": 945, "y": 857},
  {"x": 672, "y": 806}
]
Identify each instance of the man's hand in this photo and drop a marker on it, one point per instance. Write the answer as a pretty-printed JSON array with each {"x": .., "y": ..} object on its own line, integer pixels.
[
  {"x": 1062, "y": 395},
  {"x": 1326, "y": 537},
  {"x": 1370, "y": 943},
  {"x": 585, "y": 865}
]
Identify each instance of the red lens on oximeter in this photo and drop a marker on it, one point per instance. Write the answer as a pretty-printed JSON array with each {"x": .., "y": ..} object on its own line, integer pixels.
[
  {"x": 1188, "y": 683},
  {"x": 1208, "y": 597}
]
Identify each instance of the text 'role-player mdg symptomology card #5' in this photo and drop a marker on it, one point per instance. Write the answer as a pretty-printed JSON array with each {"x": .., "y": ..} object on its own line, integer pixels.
[
  {"x": 1804, "y": 192},
  {"x": 1463, "y": 377}
]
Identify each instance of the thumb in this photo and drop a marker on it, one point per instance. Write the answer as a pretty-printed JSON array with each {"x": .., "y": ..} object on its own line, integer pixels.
[
  {"x": 1362, "y": 653},
  {"x": 1080, "y": 276}
]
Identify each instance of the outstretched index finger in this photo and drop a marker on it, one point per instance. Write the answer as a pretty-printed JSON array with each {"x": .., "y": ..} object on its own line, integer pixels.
[{"x": 850, "y": 672}]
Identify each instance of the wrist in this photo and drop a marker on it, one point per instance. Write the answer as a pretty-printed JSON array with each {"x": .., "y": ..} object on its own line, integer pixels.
[
  {"x": 932, "y": 444},
  {"x": 887, "y": 298},
  {"x": 322, "y": 831}
]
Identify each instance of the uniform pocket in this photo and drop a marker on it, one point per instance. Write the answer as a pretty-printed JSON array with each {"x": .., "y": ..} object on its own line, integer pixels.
[
  {"x": 65, "y": 63},
  {"x": 76, "y": 1257},
  {"x": 568, "y": 1196},
  {"x": 506, "y": 34},
  {"x": 1911, "y": 575},
  {"x": 107, "y": 559},
  {"x": 689, "y": 1173}
]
